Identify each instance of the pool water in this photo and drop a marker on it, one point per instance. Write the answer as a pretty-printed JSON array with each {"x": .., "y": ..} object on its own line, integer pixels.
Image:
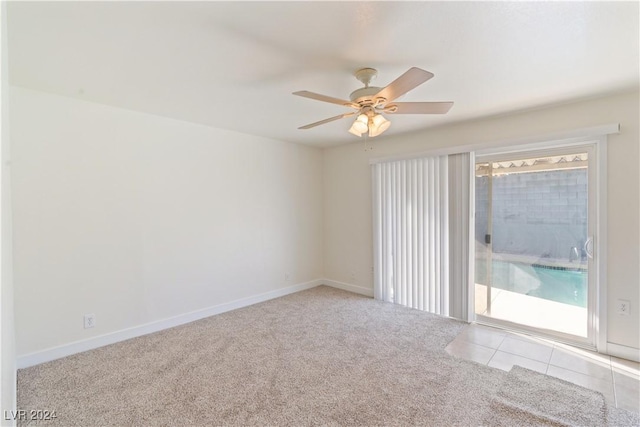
[{"x": 564, "y": 286}]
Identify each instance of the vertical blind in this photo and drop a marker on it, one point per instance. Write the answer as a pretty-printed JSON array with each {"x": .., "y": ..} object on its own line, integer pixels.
[
  {"x": 459, "y": 220},
  {"x": 411, "y": 234}
]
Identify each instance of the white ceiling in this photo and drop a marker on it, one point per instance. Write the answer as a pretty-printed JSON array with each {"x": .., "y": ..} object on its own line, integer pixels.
[{"x": 233, "y": 65}]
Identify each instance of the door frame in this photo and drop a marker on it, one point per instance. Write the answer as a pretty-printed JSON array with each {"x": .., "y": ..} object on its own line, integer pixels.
[{"x": 597, "y": 209}]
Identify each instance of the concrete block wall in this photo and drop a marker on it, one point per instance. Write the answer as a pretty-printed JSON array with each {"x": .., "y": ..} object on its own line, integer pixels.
[{"x": 540, "y": 214}]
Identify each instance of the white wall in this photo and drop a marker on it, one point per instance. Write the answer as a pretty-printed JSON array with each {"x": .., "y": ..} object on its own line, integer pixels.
[
  {"x": 136, "y": 218},
  {"x": 347, "y": 192},
  {"x": 7, "y": 344}
]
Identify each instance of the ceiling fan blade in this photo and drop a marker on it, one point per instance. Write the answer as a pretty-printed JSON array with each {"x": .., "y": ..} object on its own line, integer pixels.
[
  {"x": 330, "y": 119},
  {"x": 403, "y": 84},
  {"x": 318, "y": 97},
  {"x": 421, "y": 107}
]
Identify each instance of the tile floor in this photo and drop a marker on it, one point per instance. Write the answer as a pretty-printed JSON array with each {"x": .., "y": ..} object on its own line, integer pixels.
[{"x": 617, "y": 379}]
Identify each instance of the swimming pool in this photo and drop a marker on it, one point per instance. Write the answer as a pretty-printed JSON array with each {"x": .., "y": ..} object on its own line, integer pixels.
[{"x": 565, "y": 286}]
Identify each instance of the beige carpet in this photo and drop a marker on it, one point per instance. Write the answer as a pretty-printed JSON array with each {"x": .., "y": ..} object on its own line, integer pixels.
[{"x": 318, "y": 357}]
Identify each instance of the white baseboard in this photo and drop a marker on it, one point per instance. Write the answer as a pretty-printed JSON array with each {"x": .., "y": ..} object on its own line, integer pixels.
[
  {"x": 53, "y": 353},
  {"x": 349, "y": 287},
  {"x": 623, "y": 352}
]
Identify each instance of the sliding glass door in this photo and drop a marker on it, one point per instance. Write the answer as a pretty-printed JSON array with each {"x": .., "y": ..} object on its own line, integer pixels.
[{"x": 534, "y": 228}]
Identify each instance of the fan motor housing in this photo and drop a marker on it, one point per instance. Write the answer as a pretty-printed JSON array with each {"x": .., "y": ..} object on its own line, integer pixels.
[{"x": 364, "y": 95}]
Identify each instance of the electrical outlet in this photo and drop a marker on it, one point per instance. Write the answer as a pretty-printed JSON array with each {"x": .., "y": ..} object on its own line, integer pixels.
[
  {"x": 287, "y": 276},
  {"x": 622, "y": 307},
  {"x": 89, "y": 321}
]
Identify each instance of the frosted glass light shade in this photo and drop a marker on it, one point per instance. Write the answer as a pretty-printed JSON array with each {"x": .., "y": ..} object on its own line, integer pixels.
[
  {"x": 359, "y": 126},
  {"x": 378, "y": 125},
  {"x": 354, "y": 131}
]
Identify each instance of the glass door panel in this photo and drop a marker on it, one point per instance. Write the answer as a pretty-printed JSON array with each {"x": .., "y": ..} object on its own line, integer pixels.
[{"x": 533, "y": 241}]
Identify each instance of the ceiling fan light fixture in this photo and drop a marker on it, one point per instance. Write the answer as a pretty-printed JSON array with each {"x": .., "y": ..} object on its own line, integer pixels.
[
  {"x": 378, "y": 125},
  {"x": 369, "y": 102}
]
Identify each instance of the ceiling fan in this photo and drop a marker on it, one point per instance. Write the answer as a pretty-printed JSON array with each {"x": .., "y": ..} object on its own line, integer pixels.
[{"x": 370, "y": 102}]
